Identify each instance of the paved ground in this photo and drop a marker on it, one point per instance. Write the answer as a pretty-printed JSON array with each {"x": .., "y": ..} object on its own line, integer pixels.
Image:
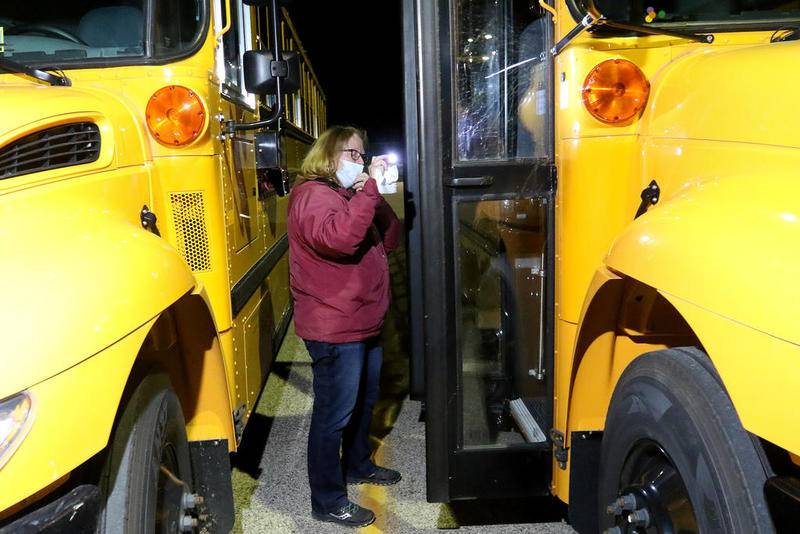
[
  {"x": 270, "y": 469},
  {"x": 270, "y": 476}
]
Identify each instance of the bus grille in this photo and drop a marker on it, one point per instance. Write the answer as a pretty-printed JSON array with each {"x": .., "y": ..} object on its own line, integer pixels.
[
  {"x": 191, "y": 235},
  {"x": 61, "y": 146}
]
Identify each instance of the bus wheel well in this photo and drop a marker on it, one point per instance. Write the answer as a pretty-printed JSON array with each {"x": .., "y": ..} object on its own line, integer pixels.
[
  {"x": 624, "y": 320},
  {"x": 183, "y": 343}
]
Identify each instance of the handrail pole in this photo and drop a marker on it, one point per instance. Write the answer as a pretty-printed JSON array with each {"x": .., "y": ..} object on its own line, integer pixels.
[{"x": 227, "y": 26}]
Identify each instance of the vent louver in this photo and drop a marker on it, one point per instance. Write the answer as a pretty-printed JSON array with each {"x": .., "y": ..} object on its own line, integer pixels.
[
  {"x": 191, "y": 235},
  {"x": 61, "y": 146}
]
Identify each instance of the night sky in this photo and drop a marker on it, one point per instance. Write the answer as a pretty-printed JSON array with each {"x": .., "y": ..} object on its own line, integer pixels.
[{"x": 356, "y": 49}]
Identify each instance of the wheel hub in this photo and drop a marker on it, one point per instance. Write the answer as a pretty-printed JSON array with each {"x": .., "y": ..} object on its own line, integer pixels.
[
  {"x": 176, "y": 504},
  {"x": 653, "y": 497}
]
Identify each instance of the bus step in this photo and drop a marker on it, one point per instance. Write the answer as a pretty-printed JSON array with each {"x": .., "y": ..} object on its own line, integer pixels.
[{"x": 525, "y": 421}]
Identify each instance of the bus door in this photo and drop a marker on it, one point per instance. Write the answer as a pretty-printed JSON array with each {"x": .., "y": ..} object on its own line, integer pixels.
[
  {"x": 252, "y": 322},
  {"x": 239, "y": 106},
  {"x": 483, "y": 196}
]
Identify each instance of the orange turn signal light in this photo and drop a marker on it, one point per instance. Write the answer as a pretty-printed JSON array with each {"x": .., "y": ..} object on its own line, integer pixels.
[
  {"x": 615, "y": 91},
  {"x": 175, "y": 115}
]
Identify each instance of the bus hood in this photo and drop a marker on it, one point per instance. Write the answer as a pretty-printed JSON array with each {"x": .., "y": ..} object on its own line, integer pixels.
[
  {"x": 733, "y": 94},
  {"x": 78, "y": 271},
  {"x": 721, "y": 138},
  {"x": 28, "y": 109}
]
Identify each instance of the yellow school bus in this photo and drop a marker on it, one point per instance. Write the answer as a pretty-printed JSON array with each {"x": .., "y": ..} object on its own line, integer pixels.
[
  {"x": 144, "y": 274},
  {"x": 604, "y": 267}
]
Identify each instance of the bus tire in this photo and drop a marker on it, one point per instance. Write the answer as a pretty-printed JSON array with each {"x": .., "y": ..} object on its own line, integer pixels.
[
  {"x": 149, "y": 440},
  {"x": 674, "y": 456}
]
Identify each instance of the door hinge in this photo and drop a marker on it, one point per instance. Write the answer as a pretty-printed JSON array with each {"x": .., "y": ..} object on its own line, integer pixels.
[
  {"x": 559, "y": 450},
  {"x": 650, "y": 196},
  {"x": 238, "y": 421},
  {"x": 553, "y": 177}
]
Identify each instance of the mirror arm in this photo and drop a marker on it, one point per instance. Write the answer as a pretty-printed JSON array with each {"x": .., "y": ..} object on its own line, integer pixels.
[
  {"x": 277, "y": 109},
  {"x": 587, "y": 22}
]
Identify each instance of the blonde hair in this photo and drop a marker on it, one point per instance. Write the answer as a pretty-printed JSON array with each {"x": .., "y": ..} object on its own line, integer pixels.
[{"x": 322, "y": 159}]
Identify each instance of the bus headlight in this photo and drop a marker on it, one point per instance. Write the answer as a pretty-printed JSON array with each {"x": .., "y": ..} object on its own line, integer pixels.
[{"x": 16, "y": 417}]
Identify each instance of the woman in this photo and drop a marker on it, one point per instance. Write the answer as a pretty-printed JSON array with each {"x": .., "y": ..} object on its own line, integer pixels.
[{"x": 340, "y": 229}]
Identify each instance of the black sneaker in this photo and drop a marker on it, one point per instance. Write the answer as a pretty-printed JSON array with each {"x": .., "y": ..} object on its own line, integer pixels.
[
  {"x": 380, "y": 477},
  {"x": 349, "y": 515}
]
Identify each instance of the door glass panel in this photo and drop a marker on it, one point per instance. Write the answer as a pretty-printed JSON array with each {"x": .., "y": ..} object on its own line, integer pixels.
[
  {"x": 501, "y": 80},
  {"x": 501, "y": 257},
  {"x": 232, "y": 49},
  {"x": 230, "y": 56}
]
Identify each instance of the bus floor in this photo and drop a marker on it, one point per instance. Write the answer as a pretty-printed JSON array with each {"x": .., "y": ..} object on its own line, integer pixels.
[{"x": 270, "y": 477}]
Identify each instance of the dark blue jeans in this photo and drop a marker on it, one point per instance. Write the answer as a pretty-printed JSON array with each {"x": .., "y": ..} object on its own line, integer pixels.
[{"x": 346, "y": 386}]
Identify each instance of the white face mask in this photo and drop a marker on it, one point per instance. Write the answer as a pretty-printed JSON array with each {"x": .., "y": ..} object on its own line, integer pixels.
[{"x": 348, "y": 172}]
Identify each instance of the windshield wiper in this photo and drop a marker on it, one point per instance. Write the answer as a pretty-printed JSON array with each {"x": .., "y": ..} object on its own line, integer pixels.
[
  {"x": 15, "y": 66},
  {"x": 594, "y": 19}
]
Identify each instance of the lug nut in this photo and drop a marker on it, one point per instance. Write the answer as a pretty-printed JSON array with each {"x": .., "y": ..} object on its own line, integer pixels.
[
  {"x": 626, "y": 503},
  {"x": 191, "y": 500},
  {"x": 188, "y": 523},
  {"x": 639, "y": 518}
]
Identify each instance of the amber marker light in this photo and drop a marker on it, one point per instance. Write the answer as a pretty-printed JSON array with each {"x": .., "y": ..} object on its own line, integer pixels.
[
  {"x": 615, "y": 91},
  {"x": 175, "y": 115}
]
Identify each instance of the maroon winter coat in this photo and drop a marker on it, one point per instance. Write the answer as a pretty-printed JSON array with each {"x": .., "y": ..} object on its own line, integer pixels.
[{"x": 338, "y": 241}]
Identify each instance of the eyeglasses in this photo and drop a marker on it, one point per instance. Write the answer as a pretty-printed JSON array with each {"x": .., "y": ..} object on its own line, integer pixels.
[{"x": 355, "y": 155}]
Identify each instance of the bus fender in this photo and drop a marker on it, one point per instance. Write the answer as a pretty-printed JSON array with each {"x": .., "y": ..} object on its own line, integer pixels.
[
  {"x": 102, "y": 288},
  {"x": 717, "y": 255}
]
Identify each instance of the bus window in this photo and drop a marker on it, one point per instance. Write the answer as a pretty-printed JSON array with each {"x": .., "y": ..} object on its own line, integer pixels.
[
  {"x": 55, "y": 33},
  {"x": 176, "y": 25},
  {"x": 500, "y": 83}
]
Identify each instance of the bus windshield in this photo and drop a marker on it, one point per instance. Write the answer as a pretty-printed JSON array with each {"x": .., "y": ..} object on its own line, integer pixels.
[
  {"x": 55, "y": 32},
  {"x": 699, "y": 11}
]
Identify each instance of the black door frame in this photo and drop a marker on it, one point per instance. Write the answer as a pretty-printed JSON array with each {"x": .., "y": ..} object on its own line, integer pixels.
[
  {"x": 412, "y": 215},
  {"x": 454, "y": 473}
]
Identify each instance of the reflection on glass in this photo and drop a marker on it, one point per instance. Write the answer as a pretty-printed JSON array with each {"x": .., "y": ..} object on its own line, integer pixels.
[
  {"x": 500, "y": 58},
  {"x": 502, "y": 281},
  {"x": 686, "y": 11}
]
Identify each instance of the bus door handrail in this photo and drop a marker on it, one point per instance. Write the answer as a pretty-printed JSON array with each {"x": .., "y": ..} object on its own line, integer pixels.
[{"x": 227, "y": 26}]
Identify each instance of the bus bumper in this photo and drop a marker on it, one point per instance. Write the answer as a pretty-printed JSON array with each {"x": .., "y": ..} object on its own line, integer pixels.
[{"x": 74, "y": 513}]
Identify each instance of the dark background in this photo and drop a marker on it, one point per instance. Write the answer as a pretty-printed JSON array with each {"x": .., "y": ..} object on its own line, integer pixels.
[{"x": 356, "y": 49}]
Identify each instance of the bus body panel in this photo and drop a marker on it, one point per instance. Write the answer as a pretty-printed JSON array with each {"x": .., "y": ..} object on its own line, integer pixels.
[
  {"x": 111, "y": 275},
  {"x": 92, "y": 289},
  {"x": 722, "y": 144},
  {"x": 684, "y": 245},
  {"x": 71, "y": 423}
]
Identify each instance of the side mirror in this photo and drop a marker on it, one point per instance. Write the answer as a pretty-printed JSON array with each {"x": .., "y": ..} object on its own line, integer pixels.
[
  {"x": 261, "y": 72},
  {"x": 270, "y": 163}
]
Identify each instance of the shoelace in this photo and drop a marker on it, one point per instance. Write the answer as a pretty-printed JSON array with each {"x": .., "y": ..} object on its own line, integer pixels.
[{"x": 349, "y": 508}]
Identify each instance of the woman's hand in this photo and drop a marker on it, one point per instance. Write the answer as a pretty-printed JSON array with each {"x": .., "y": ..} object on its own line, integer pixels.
[
  {"x": 361, "y": 179},
  {"x": 378, "y": 167}
]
